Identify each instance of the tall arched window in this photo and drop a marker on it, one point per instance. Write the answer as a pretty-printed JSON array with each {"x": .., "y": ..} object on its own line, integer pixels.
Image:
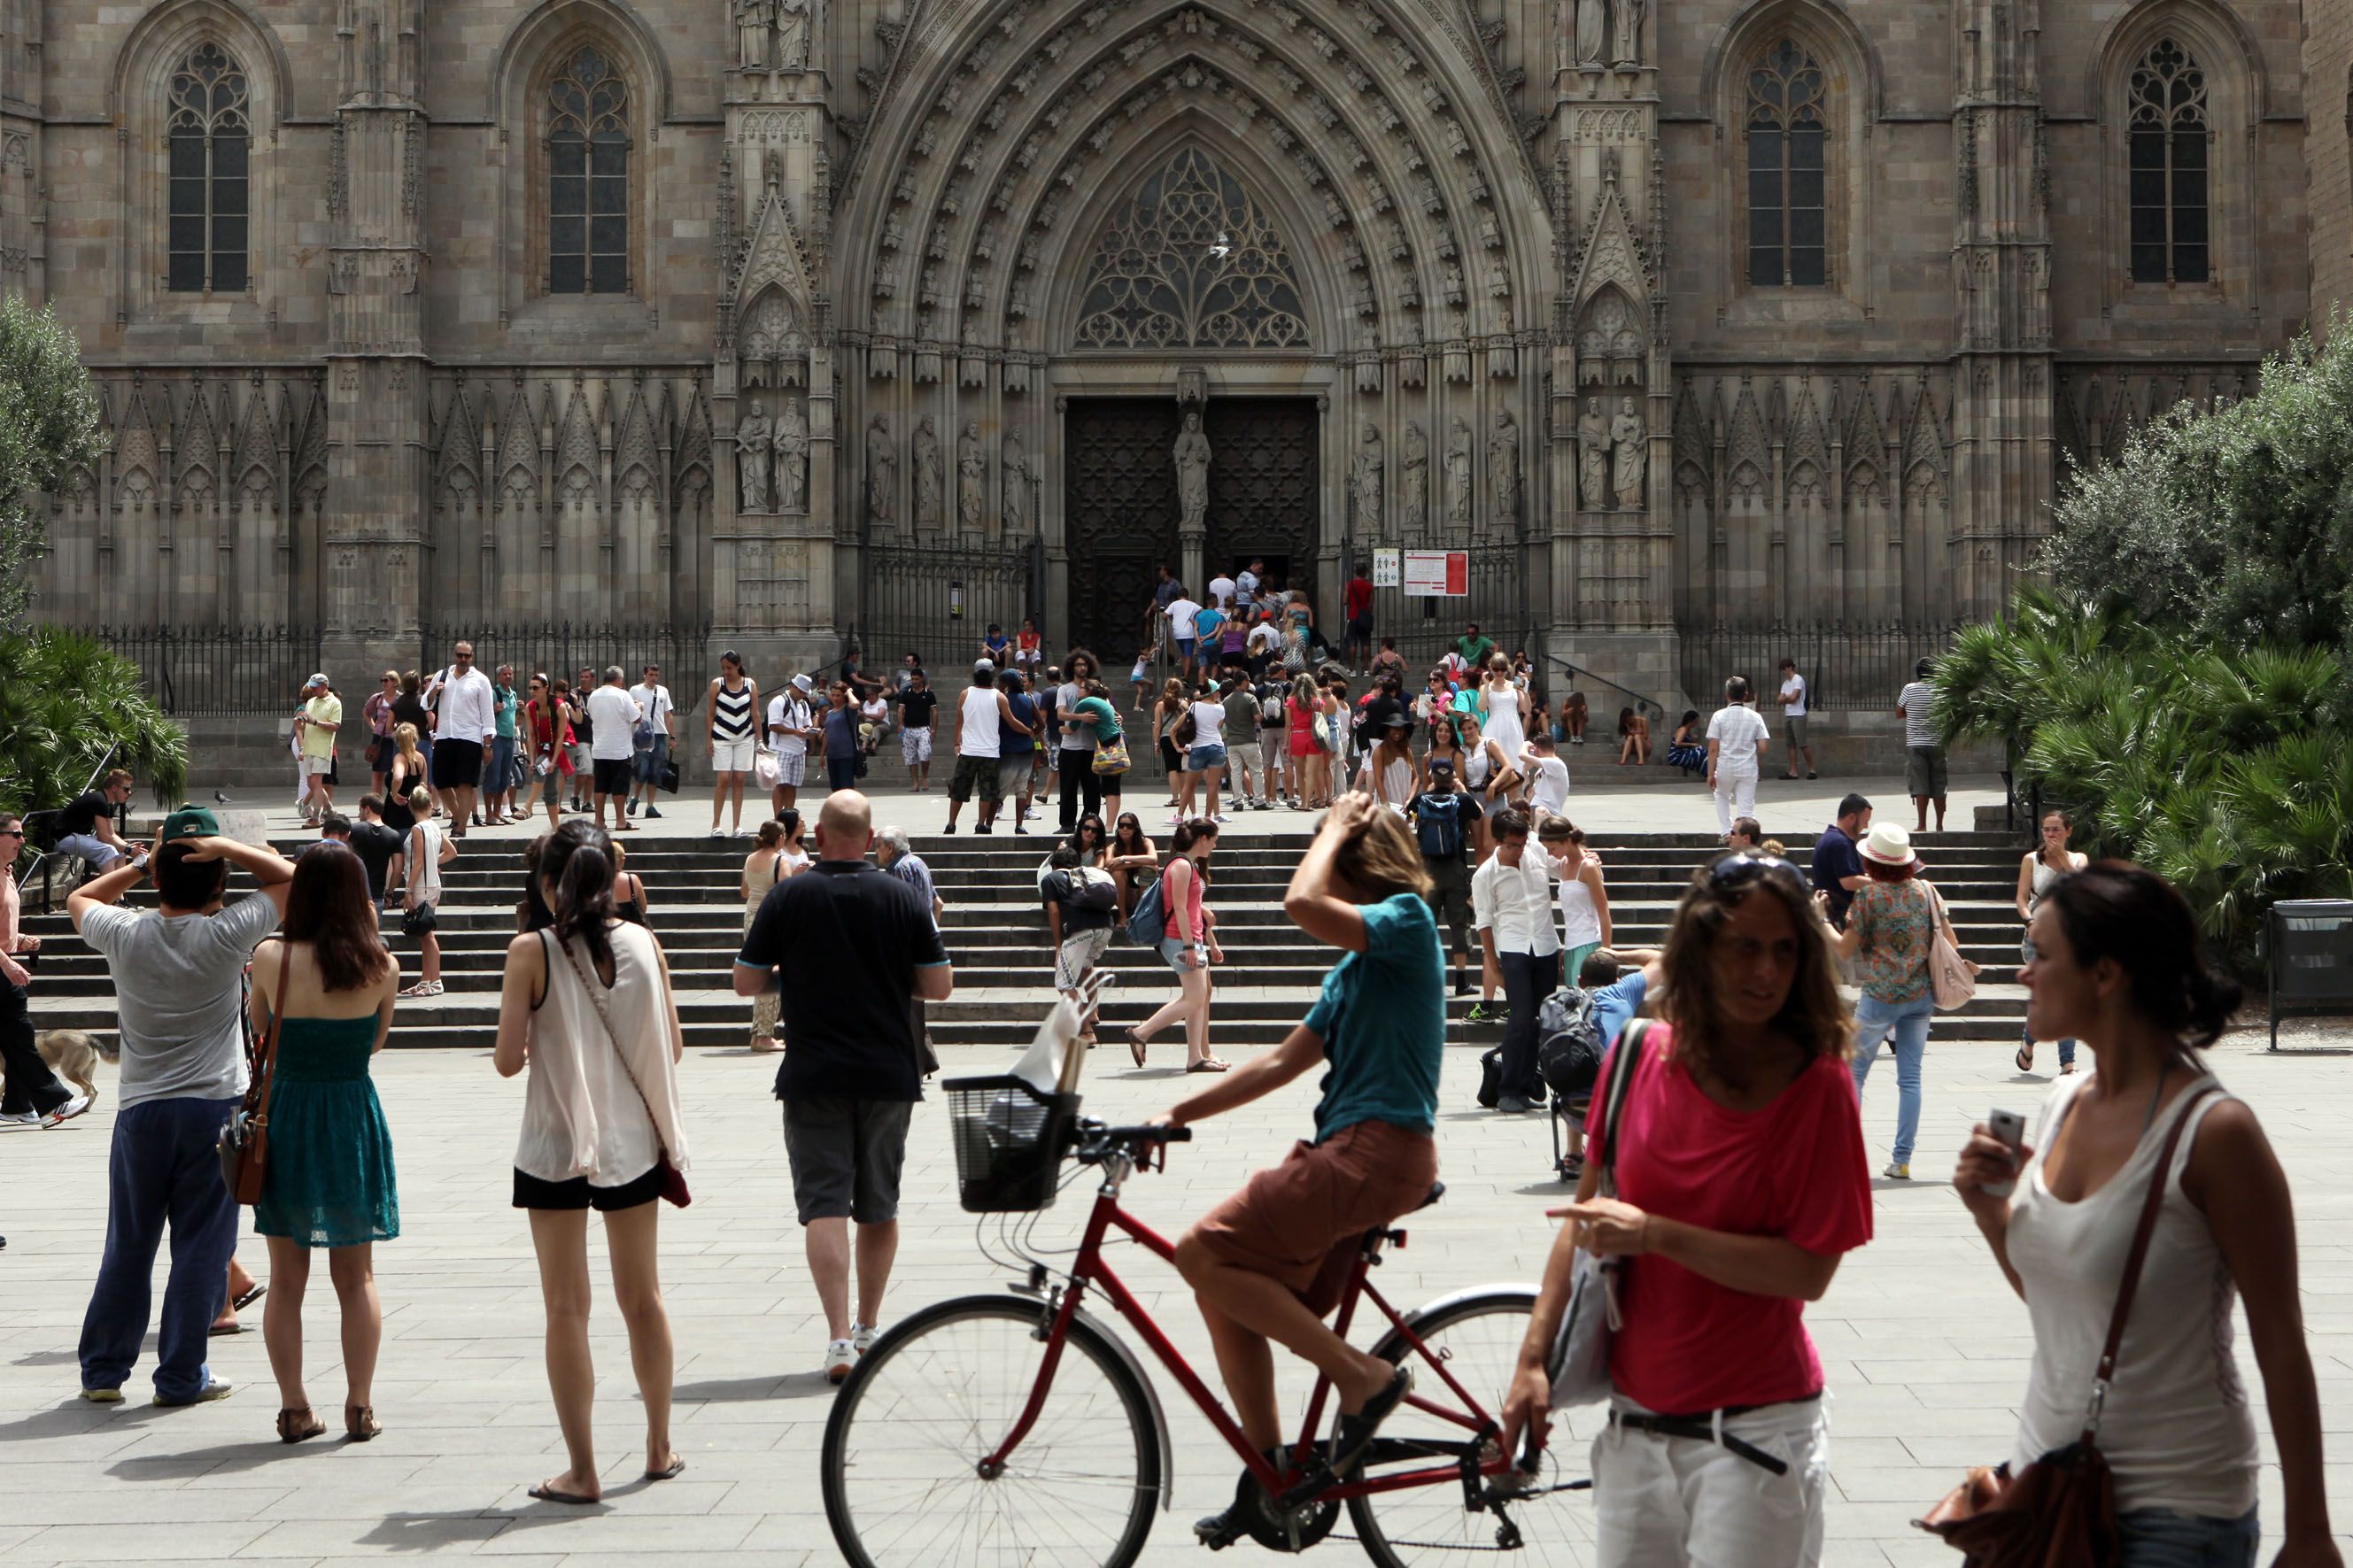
[
  {"x": 588, "y": 177},
  {"x": 210, "y": 133},
  {"x": 1788, "y": 128},
  {"x": 2166, "y": 139}
]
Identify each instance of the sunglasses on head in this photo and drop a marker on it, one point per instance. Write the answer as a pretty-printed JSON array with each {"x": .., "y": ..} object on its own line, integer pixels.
[{"x": 1738, "y": 870}]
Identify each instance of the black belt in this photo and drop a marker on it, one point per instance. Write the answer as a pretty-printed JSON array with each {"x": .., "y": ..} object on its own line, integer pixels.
[{"x": 1706, "y": 1427}]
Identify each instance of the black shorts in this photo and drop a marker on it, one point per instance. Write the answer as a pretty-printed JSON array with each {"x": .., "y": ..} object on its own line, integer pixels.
[
  {"x": 613, "y": 774},
  {"x": 846, "y": 1155},
  {"x": 1361, "y": 629},
  {"x": 532, "y": 1193},
  {"x": 457, "y": 765}
]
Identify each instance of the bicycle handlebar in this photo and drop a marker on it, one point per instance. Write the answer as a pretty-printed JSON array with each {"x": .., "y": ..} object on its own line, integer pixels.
[{"x": 1096, "y": 1132}]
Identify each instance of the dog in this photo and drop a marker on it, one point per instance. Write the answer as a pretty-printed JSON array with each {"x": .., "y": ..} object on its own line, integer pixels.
[{"x": 72, "y": 1056}]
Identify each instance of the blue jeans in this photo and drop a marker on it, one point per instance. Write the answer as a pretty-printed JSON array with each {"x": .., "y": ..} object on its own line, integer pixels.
[
  {"x": 164, "y": 1168},
  {"x": 649, "y": 761},
  {"x": 498, "y": 777},
  {"x": 2160, "y": 1538},
  {"x": 1908, "y": 1022}
]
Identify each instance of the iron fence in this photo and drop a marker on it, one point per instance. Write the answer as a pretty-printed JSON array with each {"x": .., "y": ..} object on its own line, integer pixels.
[
  {"x": 562, "y": 649},
  {"x": 940, "y": 602},
  {"x": 1846, "y": 665},
  {"x": 1425, "y": 627},
  {"x": 217, "y": 670}
]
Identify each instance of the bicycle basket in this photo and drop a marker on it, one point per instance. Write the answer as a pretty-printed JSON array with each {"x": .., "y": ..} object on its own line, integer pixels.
[{"x": 1009, "y": 1142}]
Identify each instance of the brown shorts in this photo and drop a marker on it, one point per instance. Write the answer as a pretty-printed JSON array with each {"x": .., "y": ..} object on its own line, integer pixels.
[{"x": 1298, "y": 1224}]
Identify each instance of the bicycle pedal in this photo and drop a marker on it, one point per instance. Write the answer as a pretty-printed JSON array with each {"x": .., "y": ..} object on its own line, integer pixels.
[
  {"x": 1300, "y": 1495},
  {"x": 1219, "y": 1531}
]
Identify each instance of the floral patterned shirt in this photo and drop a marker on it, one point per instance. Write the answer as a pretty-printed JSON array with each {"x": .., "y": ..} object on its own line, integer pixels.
[{"x": 1897, "y": 921}]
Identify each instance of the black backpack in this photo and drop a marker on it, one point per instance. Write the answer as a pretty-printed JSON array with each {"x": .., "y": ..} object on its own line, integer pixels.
[
  {"x": 1438, "y": 824},
  {"x": 1568, "y": 1042}
]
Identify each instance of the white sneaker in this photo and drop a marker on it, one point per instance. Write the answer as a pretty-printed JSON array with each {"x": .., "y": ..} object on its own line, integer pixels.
[
  {"x": 840, "y": 1355},
  {"x": 862, "y": 1337},
  {"x": 24, "y": 1118},
  {"x": 68, "y": 1111}
]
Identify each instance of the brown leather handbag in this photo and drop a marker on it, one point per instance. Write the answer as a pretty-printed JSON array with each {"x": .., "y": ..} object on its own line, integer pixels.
[
  {"x": 244, "y": 1136},
  {"x": 2061, "y": 1510}
]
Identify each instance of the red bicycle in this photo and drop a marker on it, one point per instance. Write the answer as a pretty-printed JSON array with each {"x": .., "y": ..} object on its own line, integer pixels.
[{"x": 1021, "y": 1429}]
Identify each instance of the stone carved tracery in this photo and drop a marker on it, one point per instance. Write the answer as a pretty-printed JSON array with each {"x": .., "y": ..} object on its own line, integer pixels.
[{"x": 1193, "y": 262}]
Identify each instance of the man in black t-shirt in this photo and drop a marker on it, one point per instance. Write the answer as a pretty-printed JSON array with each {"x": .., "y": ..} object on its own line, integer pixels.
[
  {"x": 88, "y": 826},
  {"x": 919, "y": 709},
  {"x": 376, "y": 845},
  {"x": 850, "y": 1080},
  {"x": 1445, "y": 818}
]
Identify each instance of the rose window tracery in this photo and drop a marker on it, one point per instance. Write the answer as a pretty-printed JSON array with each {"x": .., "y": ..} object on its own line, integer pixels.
[{"x": 1193, "y": 261}]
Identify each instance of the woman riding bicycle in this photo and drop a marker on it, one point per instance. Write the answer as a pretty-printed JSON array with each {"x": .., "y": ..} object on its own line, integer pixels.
[
  {"x": 1270, "y": 1261},
  {"x": 1741, "y": 1182}
]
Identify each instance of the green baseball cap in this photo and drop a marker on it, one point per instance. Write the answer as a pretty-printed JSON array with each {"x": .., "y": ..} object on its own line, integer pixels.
[{"x": 190, "y": 821}]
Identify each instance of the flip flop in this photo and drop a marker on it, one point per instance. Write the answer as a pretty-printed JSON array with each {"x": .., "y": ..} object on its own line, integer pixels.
[
  {"x": 249, "y": 1299},
  {"x": 546, "y": 1493},
  {"x": 2024, "y": 1058},
  {"x": 1209, "y": 1064},
  {"x": 1135, "y": 1046},
  {"x": 675, "y": 1468}
]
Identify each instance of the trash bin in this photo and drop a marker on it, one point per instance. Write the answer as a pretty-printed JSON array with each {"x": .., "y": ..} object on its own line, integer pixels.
[{"x": 2308, "y": 946}]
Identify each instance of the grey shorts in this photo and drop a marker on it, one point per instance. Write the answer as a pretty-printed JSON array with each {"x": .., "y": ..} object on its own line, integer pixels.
[
  {"x": 792, "y": 768},
  {"x": 1013, "y": 775},
  {"x": 1793, "y": 730},
  {"x": 846, "y": 1155},
  {"x": 1924, "y": 772},
  {"x": 90, "y": 848}
]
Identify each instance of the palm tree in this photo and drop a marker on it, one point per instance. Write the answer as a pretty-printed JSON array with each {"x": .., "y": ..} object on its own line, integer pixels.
[{"x": 69, "y": 706}]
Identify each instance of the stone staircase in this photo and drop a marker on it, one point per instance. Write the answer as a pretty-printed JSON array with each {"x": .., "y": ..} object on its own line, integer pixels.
[{"x": 996, "y": 935}]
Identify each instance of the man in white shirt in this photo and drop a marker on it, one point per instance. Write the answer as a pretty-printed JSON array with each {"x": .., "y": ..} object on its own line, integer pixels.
[
  {"x": 1547, "y": 778},
  {"x": 1924, "y": 755},
  {"x": 1736, "y": 742},
  {"x": 615, "y": 713},
  {"x": 1246, "y": 582},
  {"x": 983, "y": 720},
  {"x": 1265, "y": 640},
  {"x": 1510, "y": 902},
  {"x": 1793, "y": 718},
  {"x": 1184, "y": 616},
  {"x": 654, "y": 735},
  {"x": 1221, "y": 590},
  {"x": 465, "y": 722},
  {"x": 792, "y": 724}
]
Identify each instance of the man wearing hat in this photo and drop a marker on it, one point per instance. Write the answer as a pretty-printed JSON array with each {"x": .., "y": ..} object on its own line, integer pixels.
[
  {"x": 1443, "y": 816},
  {"x": 792, "y": 724},
  {"x": 178, "y": 975},
  {"x": 322, "y": 716}
]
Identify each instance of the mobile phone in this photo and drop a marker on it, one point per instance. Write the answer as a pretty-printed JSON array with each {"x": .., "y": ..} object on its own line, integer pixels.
[{"x": 2009, "y": 1127}]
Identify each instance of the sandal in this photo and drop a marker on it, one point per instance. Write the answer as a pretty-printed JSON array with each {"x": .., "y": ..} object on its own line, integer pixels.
[
  {"x": 546, "y": 1493},
  {"x": 1208, "y": 1064},
  {"x": 1136, "y": 1045},
  {"x": 360, "y": 1422},
  {"x": 2024, "y": 1057},
  {"x": 252, "y": 1294},
  {"x": 671, "y": 1471},
  {"x": 298, "y": 1425}
]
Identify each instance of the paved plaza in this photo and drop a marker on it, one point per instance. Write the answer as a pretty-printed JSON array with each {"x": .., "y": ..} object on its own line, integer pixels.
[{"x": 1925, "y": 1350}]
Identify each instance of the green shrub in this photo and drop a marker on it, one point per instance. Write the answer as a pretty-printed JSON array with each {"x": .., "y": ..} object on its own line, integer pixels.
[{"x": 66, "y": 701}]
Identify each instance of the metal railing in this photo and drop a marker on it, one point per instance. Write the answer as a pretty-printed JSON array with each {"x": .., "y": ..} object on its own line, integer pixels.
[
  {"x": 560, "y": 649},
  {"x": 217, "y": 670},
  {"x": 1848, "y": 665},
  {"x": 1601, "y": 694}
]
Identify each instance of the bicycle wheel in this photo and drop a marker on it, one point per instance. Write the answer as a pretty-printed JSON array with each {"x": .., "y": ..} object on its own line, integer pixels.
[
  {"x": 935, "y": 1397},
  {"x": 1478, "y": 1338}
]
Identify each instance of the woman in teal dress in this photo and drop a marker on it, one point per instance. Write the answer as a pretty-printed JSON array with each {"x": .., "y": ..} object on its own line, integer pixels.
[{"x": 329, "y": 1181}]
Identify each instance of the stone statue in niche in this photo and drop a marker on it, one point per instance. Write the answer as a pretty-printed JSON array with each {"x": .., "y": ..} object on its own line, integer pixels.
[
  {"x": 929, "y": 514},
  {"x": 972, "y": 478},
  {"x": 1593, "y": 457},
  {"x": 1017, "y": 488},
  {"x": 1457, "y": 479},
  {"x": 881, "y": 476},
  {"x": 1413, "y": 481},
  {"x": 1365, "y": 480},
  {"x": 753, "y": 19},
  {"x": 752, "y": 458},
  {"x": 1629, "y": 41},
  {"x": 1627, "y": 437},
  {"x": 1503, "y": 468},
  {"x": 792, "y": 35},
  {"x": 1592, "y": 27},
  {"x": 792, "y": 459},
  {"x": 1191, "y": 455}
]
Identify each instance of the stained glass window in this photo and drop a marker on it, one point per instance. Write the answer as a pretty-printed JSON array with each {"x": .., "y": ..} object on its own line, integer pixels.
[
  {"x": 208, "y": 138},
  {"x": 1788, "y": 128},
  {"x": 588, "y": 178},
  {"x": 2167, "y": 158}
]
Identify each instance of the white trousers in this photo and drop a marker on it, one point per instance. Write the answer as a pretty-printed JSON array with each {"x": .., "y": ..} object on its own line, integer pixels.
[
  {"x": 1680, "y": 1503},
  {"x": 1735, "y": 795}
]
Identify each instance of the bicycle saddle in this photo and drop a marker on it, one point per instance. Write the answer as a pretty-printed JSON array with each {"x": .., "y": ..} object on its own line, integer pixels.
[{"x": 1437, "y": 1191}]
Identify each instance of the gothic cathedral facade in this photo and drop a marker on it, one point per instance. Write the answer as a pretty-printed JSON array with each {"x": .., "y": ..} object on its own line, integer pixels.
[{"x": 808, "y": 320}]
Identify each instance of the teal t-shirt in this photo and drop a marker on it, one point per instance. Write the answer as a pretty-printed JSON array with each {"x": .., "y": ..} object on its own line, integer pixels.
[
  {"x": 1095, "y": 711},
  {"x": 1382, "y": 1018},
  {"x": 507, "y": 701}
]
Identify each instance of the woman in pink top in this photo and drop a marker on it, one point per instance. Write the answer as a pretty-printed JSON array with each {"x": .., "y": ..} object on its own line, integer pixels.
[
  {"x": 1189, "y": 942},
  {"x": 1742, "y": 1181}
]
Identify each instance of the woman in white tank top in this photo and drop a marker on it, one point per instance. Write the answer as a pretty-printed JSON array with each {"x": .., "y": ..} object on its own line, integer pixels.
[
  {"x": 587, "y": 1008},
  {"x": 2117, "y": 967}
]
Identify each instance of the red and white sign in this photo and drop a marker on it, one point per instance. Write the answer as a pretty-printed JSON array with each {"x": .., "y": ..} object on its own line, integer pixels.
[{"x": 1438, "y": 574}]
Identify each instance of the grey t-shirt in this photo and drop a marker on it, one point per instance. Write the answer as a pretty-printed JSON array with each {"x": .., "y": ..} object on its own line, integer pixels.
[
  {"x": 1066, "y": 698},
  {"x": 178, "y": 992}
]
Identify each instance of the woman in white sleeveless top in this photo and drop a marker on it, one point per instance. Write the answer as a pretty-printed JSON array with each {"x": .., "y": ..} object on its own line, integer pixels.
[
  {"x": 2038, "y": 871},
  {"x": 587, "y": 1007},
  {"x": 2117, "y": 967},
  {"x": 731, "y": 717}
]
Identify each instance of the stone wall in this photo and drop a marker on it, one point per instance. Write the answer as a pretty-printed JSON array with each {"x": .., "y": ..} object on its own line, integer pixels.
[{"x": 2328, "y": 162}]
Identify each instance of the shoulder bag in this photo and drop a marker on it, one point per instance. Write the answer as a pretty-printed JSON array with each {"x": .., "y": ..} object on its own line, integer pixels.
[
  {"x": 673, "y": 1180},
  {"x": 244, "y": 1136},
  {"x": 1110, "y": 756},
  {"x": 1949, "y": 977},
  {"x": 1579, "y": 1362},
  {"x": 2061, "y": 1510}
]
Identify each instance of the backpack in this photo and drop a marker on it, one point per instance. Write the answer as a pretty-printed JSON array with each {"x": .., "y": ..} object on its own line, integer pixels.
[
  {"x": 1149, "y": 918},
  {"x": 1568, "y": 1042},
  {"x": 1491, "y": 1077},
  {"x": 1438, "y": 824},
  {"x": 1181, "y": 733},
  {"x": 1092, "y": 889}
]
